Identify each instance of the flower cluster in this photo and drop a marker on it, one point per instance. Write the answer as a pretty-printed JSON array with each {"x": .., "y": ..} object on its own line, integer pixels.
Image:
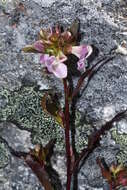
[{"x": 55, "y": 45}]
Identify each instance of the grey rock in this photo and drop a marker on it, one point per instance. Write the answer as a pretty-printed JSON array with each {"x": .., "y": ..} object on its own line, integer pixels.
[
  {"x": 44, "y": 3},
  {"x": 90, "y": 173},
  {"x": 59, "y": 164},
  {"x": 18, "y": 176},
  {"x": 4, "y": 155},
  {"x": 14, "y": 173},
  {"x": 122, "y": 127},
  {"x": 106, "y": 92},
  {"x": 18, "y": 140}
]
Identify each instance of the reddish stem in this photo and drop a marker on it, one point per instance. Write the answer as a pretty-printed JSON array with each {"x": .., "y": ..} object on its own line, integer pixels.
[
  {"x": 67, "y": 135},
  {"x": 66, "y": 123}
]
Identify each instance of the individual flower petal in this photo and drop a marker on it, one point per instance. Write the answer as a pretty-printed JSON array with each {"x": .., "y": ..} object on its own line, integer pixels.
[
  {"x": 82, "y": 52},
  {"x": 47, "y": 61},
  {"x": 66, "y": 35},
  {"x": 42, "y": 59},
  {"x": 54, "y": 65},
  {"x": 38, "y": 45},
  {"x": 90, "y": 50},
  {"x": 81, "y": 64},
  {"x": 60, "y": 70},
  {"x": 79, "y": 51},
  {"x": 61, "y": 57}
]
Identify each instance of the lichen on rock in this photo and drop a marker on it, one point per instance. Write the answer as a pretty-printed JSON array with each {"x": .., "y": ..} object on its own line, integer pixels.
[
  {"x": 23, "y": 107},
  {"x": 4, "y": 155},
  {"x": 121, "y": 140}
]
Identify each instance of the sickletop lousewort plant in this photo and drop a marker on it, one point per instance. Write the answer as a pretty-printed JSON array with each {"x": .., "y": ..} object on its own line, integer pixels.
[{"x": 55, "y": 45}]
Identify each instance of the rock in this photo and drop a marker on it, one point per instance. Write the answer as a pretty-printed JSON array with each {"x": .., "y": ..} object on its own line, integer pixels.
[
  {"x": 18, "y": 140},
  {"x": 24, "y": 109},
  {"x": 4, "y": 155},
  {"x": 122, "y": 127},
  {"x": 59, "y": 164},
  {"x": 45, "y": 3},
  {"x": 90, "y": 172},
  {"x": 102, "y": 100},
  {"x": 18, "y": 176},
  {"x": 14, "y": 173}
]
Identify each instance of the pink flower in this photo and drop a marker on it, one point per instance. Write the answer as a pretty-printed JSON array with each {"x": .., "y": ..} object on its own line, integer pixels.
[
  {"x": 38, "y": 45},
  {"x": 55, "y": 45},
  {"x": 54, "y": 65},
  {"x": 82, "y": 52}
]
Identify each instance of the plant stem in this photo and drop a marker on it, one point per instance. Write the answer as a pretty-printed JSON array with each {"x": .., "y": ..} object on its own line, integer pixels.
[
  {"x": 67, "y": 135},
  {"x": 66, "y": 121}
]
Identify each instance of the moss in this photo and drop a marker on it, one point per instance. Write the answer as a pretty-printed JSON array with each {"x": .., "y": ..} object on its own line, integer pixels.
[{"x": 121, "y": 140}]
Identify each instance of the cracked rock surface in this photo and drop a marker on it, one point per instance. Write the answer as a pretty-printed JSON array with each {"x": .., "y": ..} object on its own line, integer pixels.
[
  {"x": 22, "y": 80},
  {"x": 14, "y": 173}
]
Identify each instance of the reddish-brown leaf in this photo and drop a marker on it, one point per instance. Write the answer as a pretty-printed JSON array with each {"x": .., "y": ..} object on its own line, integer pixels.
[
  {"x": 122, "y": 178},
  {"x": 36, "y": 160},
  {"x": 51, "y": 105},
  {"x": 39, "y": 171}
]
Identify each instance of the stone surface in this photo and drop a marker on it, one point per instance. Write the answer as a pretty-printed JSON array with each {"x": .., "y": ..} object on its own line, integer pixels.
[
  {"x": 103, "y": 24},
  {"x": 14, "y": 173},
  {"x": 4, "y": 154},
  {"x": 18, "y": 140}
]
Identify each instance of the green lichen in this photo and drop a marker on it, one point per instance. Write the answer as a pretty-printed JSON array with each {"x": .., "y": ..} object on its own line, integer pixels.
[
  {"x": 24, "y": 108},
  {"x": 121, "y": 140},
  {"x": 82, "y": 131},
  {"x": 4, "y": 156}
]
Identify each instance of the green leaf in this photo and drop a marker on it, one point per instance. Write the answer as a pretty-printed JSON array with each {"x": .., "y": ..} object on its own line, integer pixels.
[{"x": 29, "y": 49}]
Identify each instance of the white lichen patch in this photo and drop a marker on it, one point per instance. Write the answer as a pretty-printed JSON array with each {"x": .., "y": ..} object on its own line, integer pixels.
[
  {"x": 121, "y": 141},
  {"x": 122, "y": 127},
  {"x": 108, "y": 112}
]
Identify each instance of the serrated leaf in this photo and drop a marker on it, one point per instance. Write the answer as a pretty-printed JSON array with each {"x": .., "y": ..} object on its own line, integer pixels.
[
  {"x": 29, "y": 49},
  {"x": 50, "y": 105}
]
